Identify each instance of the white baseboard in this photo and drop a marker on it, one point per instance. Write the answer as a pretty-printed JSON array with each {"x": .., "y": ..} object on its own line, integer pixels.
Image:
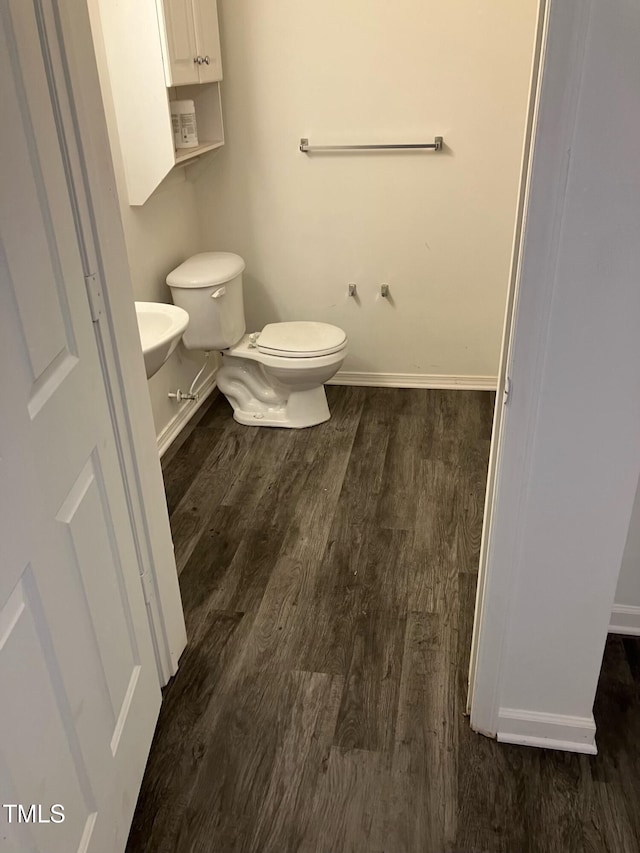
[
  {"x": 625, "y": 619},
  {"x": 547, "y": 731},
  {"x": 414, "y": 380},
  {"x": 185, "y": 413}
]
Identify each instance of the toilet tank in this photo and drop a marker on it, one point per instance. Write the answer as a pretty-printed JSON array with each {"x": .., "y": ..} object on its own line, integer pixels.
[{"x": 209, "y": 287}]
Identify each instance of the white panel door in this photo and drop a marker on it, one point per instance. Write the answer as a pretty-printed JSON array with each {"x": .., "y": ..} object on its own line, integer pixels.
[
  {"x": 79, "y": 692},
  {"x": 205, "y": 14},
  {"x": 181, "y": 42}
]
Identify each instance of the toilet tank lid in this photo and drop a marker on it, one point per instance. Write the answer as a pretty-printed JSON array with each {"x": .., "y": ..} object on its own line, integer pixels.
[{"x": 206, "y": 269}]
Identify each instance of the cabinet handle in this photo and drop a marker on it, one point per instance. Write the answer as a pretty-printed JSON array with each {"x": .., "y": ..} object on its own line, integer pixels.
[
  {"x": 198, "y": 59},
  {"x": 206, "y": 60}
]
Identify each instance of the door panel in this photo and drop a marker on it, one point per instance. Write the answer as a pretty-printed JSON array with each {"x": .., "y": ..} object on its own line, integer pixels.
[
  {"x": 38, "y": 697},
  {"x": 208, "y": 39},
  {"x": 181, "y": 41},
  {"x": 78, "y": 679},
  {"x": 92, "y": 554}
]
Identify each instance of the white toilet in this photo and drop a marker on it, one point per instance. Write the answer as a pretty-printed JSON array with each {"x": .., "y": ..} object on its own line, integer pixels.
[{"x": 271, "y": 378}]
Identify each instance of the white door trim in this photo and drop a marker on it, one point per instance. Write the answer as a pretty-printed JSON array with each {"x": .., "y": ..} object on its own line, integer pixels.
[
  {"x": 91, "y": 170},
  {"x": 505, "y": 354},
  {"x": 564, "y": 27}
]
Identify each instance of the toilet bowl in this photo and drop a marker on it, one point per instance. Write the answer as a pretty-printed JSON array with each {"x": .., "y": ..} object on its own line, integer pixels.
[{"x": 271, "y": 378}]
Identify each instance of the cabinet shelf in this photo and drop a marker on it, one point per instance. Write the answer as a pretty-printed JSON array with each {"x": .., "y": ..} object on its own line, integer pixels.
[
  {"x": 183, "y": 155},
  {"x": 206, "y": 98}
]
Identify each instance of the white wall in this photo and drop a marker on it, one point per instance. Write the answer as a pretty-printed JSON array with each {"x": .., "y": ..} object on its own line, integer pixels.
[
  {"x": 160, "y": 234},
  {"x": 569, "y": 457},
  {"x": 625, "y": 618},
  {"x": 436, "y": 227}
]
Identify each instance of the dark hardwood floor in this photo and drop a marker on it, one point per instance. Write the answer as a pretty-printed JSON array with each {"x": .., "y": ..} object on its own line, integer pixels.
[{"x": 328, "y": 577}]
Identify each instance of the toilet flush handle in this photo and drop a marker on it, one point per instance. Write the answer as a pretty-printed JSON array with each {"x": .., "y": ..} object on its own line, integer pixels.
[{"x": 219, "y": 292}]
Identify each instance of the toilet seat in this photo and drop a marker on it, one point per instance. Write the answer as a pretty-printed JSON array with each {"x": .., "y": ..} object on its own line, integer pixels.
[
  {"x": 247, "y": 349},
  {"x": 301, "y": 339}
]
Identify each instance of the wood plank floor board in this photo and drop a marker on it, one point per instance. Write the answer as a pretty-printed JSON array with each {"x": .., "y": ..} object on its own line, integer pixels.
[
  {"x": 186, "y": 463},
  {"x": 470, "y": 482},
  {"x": 328, "y": 577},
  {"x": 275, "y": 640},
  {"x": 181, "y": 737},
  {"x": 369, "y": 705},
  {"x": 243, "y": 585},
  {"x": 340, "y": 561},
  {"x": 301, "y": 761},
  {"x": 208, "y": 567},
  {"x": 267, "y": 747},
  {"x": 311, "y": 515},
  {"x": 434, "y": 566},
  {"x": 632, "y": 653},
  {"x": 343, "y": 809},
  {"x": 552, "y": 807},
  {"x": 410, "y": 814},
  {"x": 325, "y": 633},
  {"x": 382, "y": 569},
  {"x": 618, "y": 760},
  {"x": 363, "y": 481},
  {"x": 266, "y": 520},
  {"x": 260, "y": 471},
  {"x": 469, "y": 422},
  {"x": 207, "y": 490},
  {"x": 269, "y": 645},
  {"x": 398, "y": 502},
  {"x": 493, "y": 778},
  {"x": 323, "y": 637},
  {"x": 234, "y": 774}
]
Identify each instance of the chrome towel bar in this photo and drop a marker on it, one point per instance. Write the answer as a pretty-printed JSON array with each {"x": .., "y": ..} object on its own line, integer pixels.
[{"x": 436, "y": 145}]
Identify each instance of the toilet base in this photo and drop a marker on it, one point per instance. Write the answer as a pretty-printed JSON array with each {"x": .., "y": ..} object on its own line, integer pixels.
[
  {"x": 275, "y": 391},
  {"x": 302, "y": 409},
  {"x": 256, "y": 404}
]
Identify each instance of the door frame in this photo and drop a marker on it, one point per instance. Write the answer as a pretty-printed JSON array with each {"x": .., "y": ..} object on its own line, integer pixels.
[
  {"x": 557, "y": 74},
  {"x": 91, "y": 175}
]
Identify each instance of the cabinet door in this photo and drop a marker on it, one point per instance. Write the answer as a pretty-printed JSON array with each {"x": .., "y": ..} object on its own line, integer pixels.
[
  {"x": 182, "y": 47},
  {"x": 205, "y": 14},
  {"x": 134, "y": 68}
]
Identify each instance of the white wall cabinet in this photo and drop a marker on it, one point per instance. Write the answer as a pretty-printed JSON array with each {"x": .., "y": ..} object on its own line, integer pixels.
[
  {"x": 145, "y": 52},
  {"x": 190, "y": 41}
]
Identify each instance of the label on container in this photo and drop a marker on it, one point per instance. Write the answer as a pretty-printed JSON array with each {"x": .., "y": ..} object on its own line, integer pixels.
[
  {"x": 187, "y": 133},
  {"x": 183, "y": 124},
  {"x": 188, "y": 127}
]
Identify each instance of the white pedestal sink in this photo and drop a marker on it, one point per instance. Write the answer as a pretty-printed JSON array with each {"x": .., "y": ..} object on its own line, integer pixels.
[{"x": 161, "y": 327}]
